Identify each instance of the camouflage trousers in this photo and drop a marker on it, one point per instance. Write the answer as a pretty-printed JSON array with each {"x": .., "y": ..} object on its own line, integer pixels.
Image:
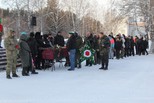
[{"x": 11, "y": 64}]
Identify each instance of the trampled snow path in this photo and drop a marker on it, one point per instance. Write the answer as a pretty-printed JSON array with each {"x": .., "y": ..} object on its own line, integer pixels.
[{"x": 130, "y": 80}]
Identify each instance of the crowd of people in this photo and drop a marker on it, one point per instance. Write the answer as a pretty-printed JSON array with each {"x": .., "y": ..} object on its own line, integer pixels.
[{"x": 31, "y": 46}]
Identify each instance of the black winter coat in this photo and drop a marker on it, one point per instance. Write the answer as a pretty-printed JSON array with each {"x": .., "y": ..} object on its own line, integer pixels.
[
  {"x": 71, "y": 44},
  {"x": 90, "y": 41},
  {"x": 118, "y": 44},
  {"x": 33, "y": 46},
  {"x": 59, "y": 40}
]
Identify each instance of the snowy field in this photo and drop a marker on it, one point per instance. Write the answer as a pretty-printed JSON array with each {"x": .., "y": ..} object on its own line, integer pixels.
[{"x": 130, "y": 80}]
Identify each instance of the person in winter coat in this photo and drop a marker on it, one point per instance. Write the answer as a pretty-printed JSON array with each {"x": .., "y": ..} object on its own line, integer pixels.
[
  {"x": 40, "y": 45},
  {"x": 89, "y": 40},
  {"x": 104, "y": 46},
  {"x": 123, "y": 45},
  {"x": 71, "y": 47},
  {"x": 136, "y": 44},
  {"x": 145, "y": 46},
  {"x": 59, "y": 40},
  {"x": 127, "y": 45},
  {"x": 12, "y": 47},
  {"x": 34, "y": 52},
  {"x": 25, "y": 54},
  {"x": 112, "y": 44},
  {"x": 46, "y": 41},
  {"x": 79, "y": 44},
  {"x": 132, "y": 46},
  {"x": 96, "y": 48},
  {"x": 141, "y": 46},
  {"x": 118, "y": 46},
  {"x": 59, "y": 43},
  {"x": 51, "y": 39}
]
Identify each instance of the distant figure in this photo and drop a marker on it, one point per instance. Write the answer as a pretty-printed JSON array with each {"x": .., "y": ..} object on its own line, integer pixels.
[
  {"x": 89, "y": 40},
  {"x": 25, "y": 54},
  {"x": 60, "y": 43},
  {"x": 34, "y": 52},
  {"x": 96, "y": 48},
  {"x": 79, "y": 44},
  {"x": 145, "y": 46},
  {"x": 59, "y": 40},
  {"x": 71, "y": 47},
  {"x": 104, "y": 46},
  {"x": 112, "y": 42},
  {"x": 12, "y": 47},
  {"x": 118, "y": 46},
  {"x": 40, "y": 44}
]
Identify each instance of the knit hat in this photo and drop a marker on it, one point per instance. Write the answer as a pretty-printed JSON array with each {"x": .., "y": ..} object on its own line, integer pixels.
[
  {"x": 23, "y": 33},
  {"x": 72, "y": 33}
]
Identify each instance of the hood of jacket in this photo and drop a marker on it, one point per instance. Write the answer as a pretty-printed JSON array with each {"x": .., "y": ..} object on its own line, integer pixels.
[{"x": 24, "y": 37}]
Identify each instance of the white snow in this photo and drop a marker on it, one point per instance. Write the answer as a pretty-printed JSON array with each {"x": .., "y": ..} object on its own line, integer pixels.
[{"x": 129, "y": 80}]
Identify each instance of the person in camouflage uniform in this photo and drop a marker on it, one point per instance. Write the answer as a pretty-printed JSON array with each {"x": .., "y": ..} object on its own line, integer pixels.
[
  {"x": 79, "y": 44},
  {"x": 104, "y": 45},
  {"x": 12, "y": 47}
]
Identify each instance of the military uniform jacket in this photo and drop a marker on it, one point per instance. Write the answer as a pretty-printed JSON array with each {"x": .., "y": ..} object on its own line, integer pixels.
[
  {"x": 104, "y": 44},
  {"x": 10, "y": 45}
]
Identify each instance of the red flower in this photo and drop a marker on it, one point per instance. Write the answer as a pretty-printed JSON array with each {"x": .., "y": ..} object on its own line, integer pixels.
[{"x": 87, "y": 53}]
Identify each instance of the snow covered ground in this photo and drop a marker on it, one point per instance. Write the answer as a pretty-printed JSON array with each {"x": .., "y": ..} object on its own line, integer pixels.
[{"x": 130, "y": 80}]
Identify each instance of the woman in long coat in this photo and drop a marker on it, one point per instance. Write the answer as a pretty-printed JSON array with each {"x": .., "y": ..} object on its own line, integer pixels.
[{"x": 25, "y": 54}]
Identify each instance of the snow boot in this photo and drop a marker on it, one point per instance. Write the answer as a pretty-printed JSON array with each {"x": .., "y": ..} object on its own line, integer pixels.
[
  {"x": 8, "y": 77},
  {"x": 15, "y": 75},
  {"x": 34, "y": 72},
  {"x": 24, "y": 72},
  {"x": 101, "y": 68}
]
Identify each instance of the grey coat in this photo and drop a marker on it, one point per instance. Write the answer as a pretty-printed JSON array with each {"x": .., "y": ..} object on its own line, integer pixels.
[{"x": 25, "y": 52}]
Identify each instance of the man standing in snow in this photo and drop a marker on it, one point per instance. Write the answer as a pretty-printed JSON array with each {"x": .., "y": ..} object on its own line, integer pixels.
[
  {"x": 79, "y": 44},
  {"x": 104, "y": 45},
  {"x": 71, "y": 47},
  {"x": 12, "y": 47}
]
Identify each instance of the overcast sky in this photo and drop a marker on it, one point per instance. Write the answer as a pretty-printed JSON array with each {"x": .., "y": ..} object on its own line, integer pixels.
[{"x": 100, "y": 2}]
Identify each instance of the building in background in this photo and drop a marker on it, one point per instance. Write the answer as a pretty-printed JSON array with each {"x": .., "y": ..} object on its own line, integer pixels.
[{"x": 136, "y": 26}]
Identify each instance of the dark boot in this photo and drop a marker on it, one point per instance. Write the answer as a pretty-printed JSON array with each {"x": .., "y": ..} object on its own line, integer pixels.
[
  {"x": 24, "y": 73},
  {"x": 8, "y": 77},
  {"x": 79, "y": 66},
  {"x": 28, "y": 69},
  {"x": 90, "y": 64},
  {"x": 15, "y": 75},
  {"x": 101, "y": 68},
  {"x": 34, "y": 72},
  {"x": 106, "y": 66},
  {"x": 87, "y": 62}
]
